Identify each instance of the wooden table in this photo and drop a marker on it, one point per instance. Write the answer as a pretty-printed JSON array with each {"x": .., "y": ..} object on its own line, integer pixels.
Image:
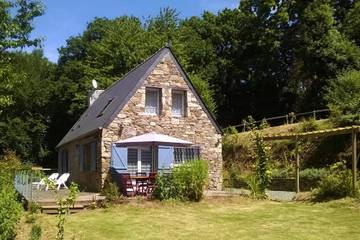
[{"x": 140, "y": 181}]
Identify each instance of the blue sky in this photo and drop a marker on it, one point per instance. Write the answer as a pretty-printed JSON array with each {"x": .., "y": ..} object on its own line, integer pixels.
[{"x": 65, "y": 18}]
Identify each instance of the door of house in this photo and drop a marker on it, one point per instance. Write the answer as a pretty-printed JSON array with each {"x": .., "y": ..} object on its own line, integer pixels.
[{"x": 131, "y": 159}]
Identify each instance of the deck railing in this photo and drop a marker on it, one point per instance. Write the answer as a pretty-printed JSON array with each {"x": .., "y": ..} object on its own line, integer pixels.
[{"x": 23, "y": 183}]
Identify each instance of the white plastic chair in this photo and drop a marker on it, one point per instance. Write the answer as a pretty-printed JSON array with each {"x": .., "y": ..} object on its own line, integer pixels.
[
  {"x": 62, "y": 180},
  {"x": 52, "y": 177}
]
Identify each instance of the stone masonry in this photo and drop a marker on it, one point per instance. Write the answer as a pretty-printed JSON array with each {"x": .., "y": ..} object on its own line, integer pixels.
[{"x": 195, "y": 126}]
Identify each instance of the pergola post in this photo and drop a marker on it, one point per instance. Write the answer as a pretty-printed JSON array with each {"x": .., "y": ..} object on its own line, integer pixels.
[
  {"x": 297, "y": 166},
  {"x": 354, "y": 158}
]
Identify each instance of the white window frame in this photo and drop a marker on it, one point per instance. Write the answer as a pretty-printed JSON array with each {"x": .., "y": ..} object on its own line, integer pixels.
[
  {"x": 183, "y": 94},
  {"x": 157, "y": 91}
]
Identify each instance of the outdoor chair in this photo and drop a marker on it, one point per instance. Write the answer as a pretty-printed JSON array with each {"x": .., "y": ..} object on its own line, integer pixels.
[
  {"x": 141, "y": 183},
  {"x": 151, "y": 183},
  {"x": 61, "y": 181},
  {"x": 52, "y": 177},
  {"x": 127, "y": 186}
]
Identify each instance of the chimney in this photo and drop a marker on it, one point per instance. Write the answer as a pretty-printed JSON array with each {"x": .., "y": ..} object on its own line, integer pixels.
[{"x": 93, "y": 95}]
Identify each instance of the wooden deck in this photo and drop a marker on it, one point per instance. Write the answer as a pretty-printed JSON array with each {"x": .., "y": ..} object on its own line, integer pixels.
[{"x": 47, "y": 200}]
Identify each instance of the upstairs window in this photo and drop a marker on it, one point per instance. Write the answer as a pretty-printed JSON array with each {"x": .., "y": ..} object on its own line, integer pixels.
[
  {"x": 178, "y": 103},
  {"x": 152, "y": 101}
]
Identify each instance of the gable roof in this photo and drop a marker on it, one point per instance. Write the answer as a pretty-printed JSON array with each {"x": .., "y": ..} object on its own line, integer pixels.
[{"x": 113, "y": 99}]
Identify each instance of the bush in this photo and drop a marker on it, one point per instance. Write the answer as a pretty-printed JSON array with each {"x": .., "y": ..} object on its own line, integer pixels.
[
  {"x": 165, "y": 188},
  {"x": 10, "y": 207},
  {"x": 111, "y": 192},
  {"x": 34, "y": 207},
  {"x": 309, "y": 125},
  {"x": 35, "y": 232},
  {"x": 254, "y": 186},
  {"x": 313, "y": 173},
  {"x": 10, "y": 212},
  {"x": 186, "y": 182},
  {"x": 336, "y": 184}
]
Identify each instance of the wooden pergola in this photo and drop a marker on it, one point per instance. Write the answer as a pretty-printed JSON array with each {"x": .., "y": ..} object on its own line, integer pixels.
[{"x": 353, "y": 130}]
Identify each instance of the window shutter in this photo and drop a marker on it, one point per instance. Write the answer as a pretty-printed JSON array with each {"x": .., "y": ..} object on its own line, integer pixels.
[
  {"x": 93, "y": 156},
  {"x": 119, "y": 157},
  {"x": 81, "y": 157},
  {"x": 165, "y": 157}
]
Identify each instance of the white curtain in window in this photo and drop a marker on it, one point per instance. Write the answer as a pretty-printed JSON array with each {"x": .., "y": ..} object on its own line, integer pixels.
[
  {"x": 152, "y": 101},
  {"x": 177, "y": 104}
]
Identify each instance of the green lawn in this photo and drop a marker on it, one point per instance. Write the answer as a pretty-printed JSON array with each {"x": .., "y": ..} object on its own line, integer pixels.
[{"x": 237, "y": 218}]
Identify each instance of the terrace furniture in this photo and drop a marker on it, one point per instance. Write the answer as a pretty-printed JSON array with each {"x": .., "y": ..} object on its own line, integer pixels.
[
  {"x": 127, "y": 185},
  {"x": 141, "y": 184},
  {"x": 52, "y": 177},
  {"x": 61, "y": 181},
  {"x": 140, "y": 173},
  {"x": 151, "y": 183}
]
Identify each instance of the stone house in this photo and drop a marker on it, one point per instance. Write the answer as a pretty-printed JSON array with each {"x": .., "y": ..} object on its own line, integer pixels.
[{"x": 154, "y": 97}]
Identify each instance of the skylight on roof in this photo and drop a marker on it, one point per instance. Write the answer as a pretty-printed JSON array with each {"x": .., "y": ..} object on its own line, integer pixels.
[{"x": 104, "y": 108}]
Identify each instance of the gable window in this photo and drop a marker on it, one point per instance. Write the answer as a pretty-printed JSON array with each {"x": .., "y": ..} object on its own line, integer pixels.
[
  {"x": 178, "y": 103},
  {"x": 152, "y": 101}
]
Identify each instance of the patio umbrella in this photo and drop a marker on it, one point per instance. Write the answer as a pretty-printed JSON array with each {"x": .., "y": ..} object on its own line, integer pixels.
[{"x": 153, "y": 139}]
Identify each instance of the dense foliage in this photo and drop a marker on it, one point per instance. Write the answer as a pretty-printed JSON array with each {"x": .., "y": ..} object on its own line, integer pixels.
[
  {"x": 343, "y": 96},
  {"x": 10, "y": 207},
  {"x": 263, "y": 58},
  {"x": 186, "y": 182},
  {"x": 336, "y": 184}
]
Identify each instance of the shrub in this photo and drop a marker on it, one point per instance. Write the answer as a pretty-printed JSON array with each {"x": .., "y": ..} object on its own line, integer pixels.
[
  {"x": 35, "y": 232},
  {"x": 254, "y": 186},
  {"x": 336, "y": 184},
  {"x": 10, "y": 211},
  {"x": 33, "y": 208},
  {"x": 10, "y": 207},
  {"x": 165, "y": 188},
  {"x": 313, "y": 173},
  {"x": 309, "y": 125},
  {"x": 111, "y": 192},
  {"x": 186, "y": 182},
  {"x": 191, "y": 179}
]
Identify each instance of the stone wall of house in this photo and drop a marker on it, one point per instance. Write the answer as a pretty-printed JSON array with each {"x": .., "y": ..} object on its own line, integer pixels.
[
  {"x": 88, "y": 180},
  {"x": 195, "y": 126}
]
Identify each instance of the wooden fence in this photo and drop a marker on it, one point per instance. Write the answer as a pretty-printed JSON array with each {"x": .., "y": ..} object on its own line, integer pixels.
[{"x": 287, "y": 118}]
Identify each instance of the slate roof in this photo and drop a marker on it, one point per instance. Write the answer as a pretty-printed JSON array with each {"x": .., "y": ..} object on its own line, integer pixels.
[{"x": 113, "y": 99}]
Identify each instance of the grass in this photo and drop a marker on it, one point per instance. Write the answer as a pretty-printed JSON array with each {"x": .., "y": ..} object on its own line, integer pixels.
[{"x": 236, "y": 218}]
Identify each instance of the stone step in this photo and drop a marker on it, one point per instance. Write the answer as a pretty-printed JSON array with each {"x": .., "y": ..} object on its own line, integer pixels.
[{"x": 53, "y": 209}]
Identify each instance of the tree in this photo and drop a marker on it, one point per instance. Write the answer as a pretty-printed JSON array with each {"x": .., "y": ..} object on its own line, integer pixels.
[
  {"x": 15, "y": 29},
  {"x": 343, "y": 97},
  {"x": 24, "y": 122},
  {"x": 351, "y": 23},
  {"x": 321, "y": 51}
]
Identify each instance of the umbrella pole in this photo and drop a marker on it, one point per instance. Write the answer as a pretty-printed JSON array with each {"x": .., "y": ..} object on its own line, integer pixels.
[{"x": 153, "y": 158}]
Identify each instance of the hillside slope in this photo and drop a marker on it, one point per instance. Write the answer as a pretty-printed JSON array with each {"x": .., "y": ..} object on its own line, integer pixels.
[{"x": 317, "y": 152}]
